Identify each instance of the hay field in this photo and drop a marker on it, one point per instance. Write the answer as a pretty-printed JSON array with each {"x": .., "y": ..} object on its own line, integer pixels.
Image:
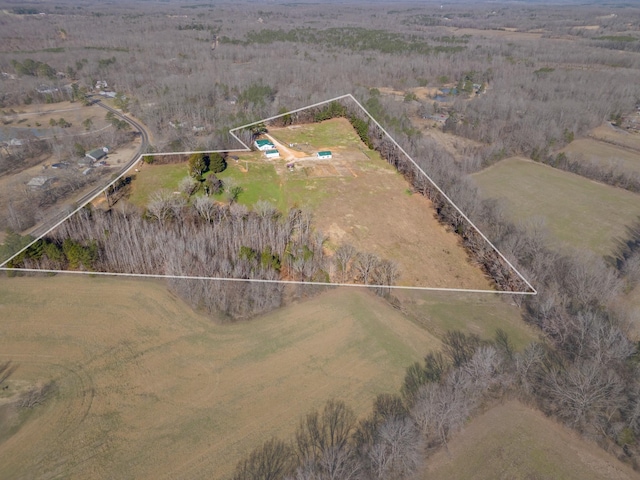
[
  {"x": 146, "y": 388},
  {"x": 513, "y": 441},
  {"x": 577, "y": 211}
]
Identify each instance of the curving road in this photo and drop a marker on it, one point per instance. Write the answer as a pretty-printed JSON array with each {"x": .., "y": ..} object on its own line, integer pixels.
[{"x": 52, "y": 221}]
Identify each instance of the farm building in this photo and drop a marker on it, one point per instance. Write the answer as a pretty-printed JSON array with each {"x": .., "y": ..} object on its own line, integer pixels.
[
  {"x": 264, "y": 145},
  {"x": 324, "y": 155},
  {"x": 97, "y": 154},
  {"x": 272, "y": 154}
]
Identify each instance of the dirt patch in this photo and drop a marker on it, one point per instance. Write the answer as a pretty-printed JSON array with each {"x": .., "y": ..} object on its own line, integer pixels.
[{"x": 515, "y": 441}]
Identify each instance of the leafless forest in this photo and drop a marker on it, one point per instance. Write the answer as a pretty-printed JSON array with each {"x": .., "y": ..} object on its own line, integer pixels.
[{"x": 566, "y": 70}]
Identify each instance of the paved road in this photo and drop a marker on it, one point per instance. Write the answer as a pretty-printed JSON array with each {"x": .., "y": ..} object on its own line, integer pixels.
[{"x": 50, "y": 222}]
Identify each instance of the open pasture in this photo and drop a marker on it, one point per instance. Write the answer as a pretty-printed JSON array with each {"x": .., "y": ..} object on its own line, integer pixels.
[
  {"x": 517, "y": 442},
  {"x": 471, "y": 313},
  {"x": 616, "y": 136},
  {"x": 604, "y": 154},
  {"x": 577, "y": 211},
  {"x": 146, "y": 388}
]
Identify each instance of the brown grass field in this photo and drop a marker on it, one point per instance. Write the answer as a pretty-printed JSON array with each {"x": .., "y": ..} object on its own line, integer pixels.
[
  {"x": 360, "y": 204},
  {"x": 604, "y": 154},
  {"x": 146, "y": 388},
  {"x": 476, "y": 313},
  {"x": 512, "y": 441},
  {"x": 577, "y": 211},
  {"x": 616, "y": 136}
]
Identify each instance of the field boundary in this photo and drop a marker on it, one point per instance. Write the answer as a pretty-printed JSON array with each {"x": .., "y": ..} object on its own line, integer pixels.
[{"x": 246, "y": 148}]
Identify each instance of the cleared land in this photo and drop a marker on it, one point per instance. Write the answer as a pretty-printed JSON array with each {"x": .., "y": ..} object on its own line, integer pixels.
[
  {"x": 481, "y": 314},
  {"x": 360, "y": 201},
  {"x": 37, "y": 117},
  {"x": 516, "y": 442},
  {"x": 577, "y": 211},
  {"x": 355, "y": 197},
  {"x": 604, "y": 154},
  {"x": 149, "y": 389},
  {"x": 616, "y": 136}
]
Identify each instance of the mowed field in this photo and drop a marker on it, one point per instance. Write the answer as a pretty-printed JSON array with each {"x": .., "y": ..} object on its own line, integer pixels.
[
  {"x": 604, "y": 154},
  {"x": 513, "y": 441},
  {"x": 577, "y": 211},
  {"x": 146, "y": 388}
]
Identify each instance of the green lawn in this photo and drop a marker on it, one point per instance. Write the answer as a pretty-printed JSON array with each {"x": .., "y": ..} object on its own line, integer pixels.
[
  {"x": 577, "y": 211},
  {"x": 259, "y": 182},
  {"x": 156, "y": 177}
]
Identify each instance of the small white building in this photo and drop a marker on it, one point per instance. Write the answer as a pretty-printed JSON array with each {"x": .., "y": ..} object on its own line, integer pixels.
[
  {"x": 263, "y": 145},
  {"x": 324, "y": 155},
  {"x": 272, "y": 154}
]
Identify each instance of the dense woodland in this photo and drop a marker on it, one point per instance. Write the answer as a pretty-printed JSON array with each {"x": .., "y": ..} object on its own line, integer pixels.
[{"x": 220, "y": 66}]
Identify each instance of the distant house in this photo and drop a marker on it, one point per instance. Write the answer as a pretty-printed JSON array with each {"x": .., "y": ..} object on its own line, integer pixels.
[
  {"x": 438, "y": 117},
  {"x": 39, "y": 182},
  {"x": 272, "y": 154},
  {"x": 264, "y": 145},
  {"x": 324, "y": 155},
  {"x": 46, "y": 89},
  {"x": 101, "y": 84},
  {"x": 97, "y": 154}
]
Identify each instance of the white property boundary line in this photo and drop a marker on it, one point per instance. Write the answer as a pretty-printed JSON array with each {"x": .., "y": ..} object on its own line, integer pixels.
[{"x": 290, "y": 282}]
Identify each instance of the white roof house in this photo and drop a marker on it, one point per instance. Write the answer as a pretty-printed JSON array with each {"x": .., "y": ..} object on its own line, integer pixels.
[
  {"x": 272, "y": 153},
  {"x": 264, "y": 145}
]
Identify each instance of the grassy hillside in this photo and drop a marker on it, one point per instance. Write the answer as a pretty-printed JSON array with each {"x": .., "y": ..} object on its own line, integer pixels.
[
  {"x": 147, "y": 388},
  {"x": 515, "y": 442},
  {"x": 481, "y": 314},
  {"x": 577, "y": 211}
]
